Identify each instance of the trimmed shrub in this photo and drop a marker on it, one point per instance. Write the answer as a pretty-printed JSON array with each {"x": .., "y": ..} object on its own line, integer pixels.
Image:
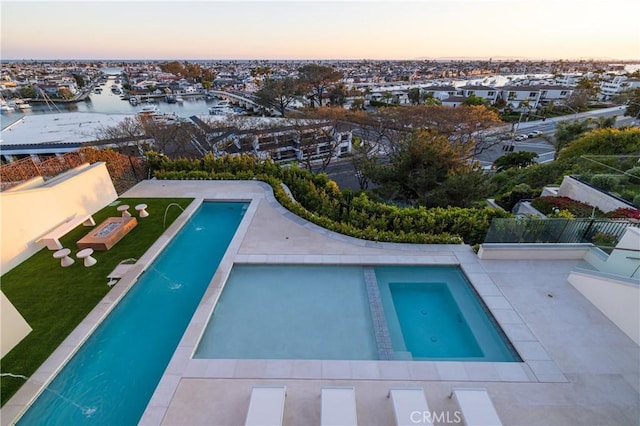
[
  {"x": 624, "y": 213},
  {"x": 519, "y": 192},
  {"x": 635, "y": 171},
  {"x": 605, "y": 182},
  {"x": 547, "y": 204},
  {"x": 319, "y": 200}
]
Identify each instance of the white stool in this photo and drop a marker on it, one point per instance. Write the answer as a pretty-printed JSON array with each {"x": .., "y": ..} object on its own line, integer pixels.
[
  {"x": 86, "y": 255},
  {"x": 125, "y": 210},
  {"x": 142, "y": 210},
  {"x": 63, "y": 255}
]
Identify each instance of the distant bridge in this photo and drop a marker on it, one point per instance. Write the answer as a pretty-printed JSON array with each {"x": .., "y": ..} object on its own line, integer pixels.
[{"x": 240, "y": 97}]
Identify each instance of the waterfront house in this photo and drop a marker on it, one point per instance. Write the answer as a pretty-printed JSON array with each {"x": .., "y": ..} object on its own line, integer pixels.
[{"x": 485, "y": 92}]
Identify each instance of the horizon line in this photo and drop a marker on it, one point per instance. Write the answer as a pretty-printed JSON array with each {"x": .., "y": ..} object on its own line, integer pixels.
[{"x": 422, "y": 58}]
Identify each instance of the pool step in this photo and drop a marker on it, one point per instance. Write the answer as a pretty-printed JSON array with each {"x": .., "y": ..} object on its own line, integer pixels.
[{"x": 381, "y": 331}]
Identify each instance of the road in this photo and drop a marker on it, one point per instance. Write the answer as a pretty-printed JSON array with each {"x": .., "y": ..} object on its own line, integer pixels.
[
  {"x": 342, "y": 171},
  {"x": 540, "y": 146}
]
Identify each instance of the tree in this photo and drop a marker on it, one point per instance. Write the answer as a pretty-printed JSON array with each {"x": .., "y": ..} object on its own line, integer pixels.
[
  {"x": 415, "y": 171},
  {"x": 173, "y": 67},
  {"x": 589, "y": 87},
  {"x": 465, "y": 126},
  {"x": 259, "y": 73},
  {"x": 65, "y": 93},
  {"x": 414, "y": 95},
  {"x": 604, "y": 142},
  {"x": 319, "y": 148},
  {"x": 27, "y": 92},
  {"x": 128, "y": 132},
  {"x": 568, "y": 131},
  {"x": 79, "y": 80},
  {"x": 338, "y": 95},
  {"x": 463, "y": 189},
  {"x": 604, "y": 122},
  {"x": 517, "y": 160},
  {"x": 173, "y": 140},
  {"x": 578, "y": 100},
  {"x": 429, "y": 99},
  {"x": 360, "y": 158},
  {"x": 318, "y": 78},
  {"x": 358, "y": 103},
  {"x": 500, "y": 103},
  {"x": 473, "y": 100},
  {"x": 630, "y": 98},
  {"x": 278, "y": 94}
]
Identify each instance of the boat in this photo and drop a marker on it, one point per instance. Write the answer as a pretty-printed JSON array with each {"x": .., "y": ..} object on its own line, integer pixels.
[
  {"x": 170, "y": 99},
  {"x": 179, "y": 99},
  {"x": 134, "y": 100},
  {"x": 4, "y": 107},
  {"x": 20, "y": 104},
  {"x": 151, "y": 113},
  {"x": 149, "y": 109},
  {"x": 221, "y": 108}
]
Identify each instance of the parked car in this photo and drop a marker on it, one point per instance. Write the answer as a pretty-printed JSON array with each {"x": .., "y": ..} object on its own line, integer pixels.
[
  {"x": 534, "y": 134},
  {"x": 520, "y": 137}
]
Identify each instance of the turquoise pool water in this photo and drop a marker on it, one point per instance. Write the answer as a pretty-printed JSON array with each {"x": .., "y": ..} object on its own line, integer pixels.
[
  {"x": 291, "y": 312},
  {"x": 111, "y": 378},
  {"x": 325, "y": 312},
  {"x": 433, "y": 313}
]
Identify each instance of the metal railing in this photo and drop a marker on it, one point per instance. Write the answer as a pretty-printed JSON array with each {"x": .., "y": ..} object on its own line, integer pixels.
[{"x": 558, "y": 230}]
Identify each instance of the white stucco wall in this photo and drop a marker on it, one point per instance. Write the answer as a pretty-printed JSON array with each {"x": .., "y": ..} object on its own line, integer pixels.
[
  {"x": 533, "y": 251},
  {"x": 618, "y": 300},
  {"x": 27, "y": 214},
  {"x": 13, "y": 328},
  {"x": 580, "y": 192}
]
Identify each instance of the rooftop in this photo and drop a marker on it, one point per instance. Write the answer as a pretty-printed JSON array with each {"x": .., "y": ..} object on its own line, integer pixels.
[
  {"x": 71, "y": 128},
  {"x": 579, "y": 368}
]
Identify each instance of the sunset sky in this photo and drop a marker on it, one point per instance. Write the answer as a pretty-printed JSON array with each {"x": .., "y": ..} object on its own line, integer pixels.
[{"x": 539, "y": 29}]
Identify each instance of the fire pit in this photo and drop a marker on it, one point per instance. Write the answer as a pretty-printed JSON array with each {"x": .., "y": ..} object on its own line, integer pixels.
[{"x": 108, "y": 233}]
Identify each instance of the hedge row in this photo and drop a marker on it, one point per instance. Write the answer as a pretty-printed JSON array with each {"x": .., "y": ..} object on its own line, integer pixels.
[{"x": 320, "y": 200}]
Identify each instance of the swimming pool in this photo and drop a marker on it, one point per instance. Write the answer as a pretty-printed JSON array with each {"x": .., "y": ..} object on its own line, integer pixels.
[
  {"x": 113, "y": 375},
  {"x": 352, "y": 313},
  {"x": 433, "y": 313},
  {"x": 291, "y": 312}
]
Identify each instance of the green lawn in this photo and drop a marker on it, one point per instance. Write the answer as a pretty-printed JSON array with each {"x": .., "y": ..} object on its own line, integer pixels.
[{"x": 54, "y": 300}]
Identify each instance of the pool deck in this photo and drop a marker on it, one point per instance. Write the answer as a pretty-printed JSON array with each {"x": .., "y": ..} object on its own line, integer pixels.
[{"x": 578, "y": 368}]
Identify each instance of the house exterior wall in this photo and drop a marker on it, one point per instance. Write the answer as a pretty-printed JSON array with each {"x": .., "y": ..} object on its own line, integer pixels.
[
  {"x": 27, "y": 214},
  {"x": 558, "y": 95},
  {"x": 514, "y": 96},
  {"x": 13, "y": 327}
]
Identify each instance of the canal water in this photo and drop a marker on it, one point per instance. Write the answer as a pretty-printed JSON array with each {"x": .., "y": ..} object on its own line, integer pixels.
[{"x": 108, "y": 102}]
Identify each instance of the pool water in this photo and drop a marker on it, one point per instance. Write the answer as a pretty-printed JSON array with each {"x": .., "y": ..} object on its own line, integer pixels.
[
  {"x": 291, "y": 312},
  {"x": 432, "y": 325},
  {"x": 433, "y": 313},
  {"x": 113, "y": 375},
  {"x": 327, "y": 312}
]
